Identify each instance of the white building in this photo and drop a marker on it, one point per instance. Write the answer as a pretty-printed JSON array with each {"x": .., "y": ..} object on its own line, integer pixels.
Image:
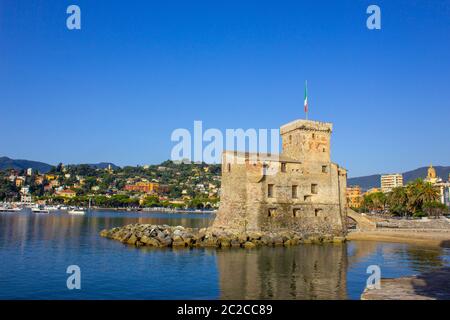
[
  {"x": 390, "y": 181},
  {"x": 25, "y": 196}
]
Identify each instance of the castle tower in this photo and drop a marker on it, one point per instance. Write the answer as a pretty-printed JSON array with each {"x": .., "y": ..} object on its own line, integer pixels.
[{"x": 306, "y": 140}]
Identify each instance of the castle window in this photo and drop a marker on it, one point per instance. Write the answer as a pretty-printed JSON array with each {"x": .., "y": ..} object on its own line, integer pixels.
[
  {"x": 314, "y": 188},
  {"x": 324, "y": 169},
  {"x": 270, "y": 190},
  {"x": 272, "y": 212},
  {"x": 313, "y": 135},
  {"x": 316, "y": 212},
  {"x": 294, "y": 191},
  {"x": 229, "y": 167},
  {"x": 290, "y": 138},
  {"x": 296, "y": 213},
  {"x": 283, "y": 167},
  {"x": 323, "y": 150}
]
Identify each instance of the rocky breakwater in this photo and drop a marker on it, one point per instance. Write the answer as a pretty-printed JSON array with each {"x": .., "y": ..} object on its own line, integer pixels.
[{"x": 181, "y": 237}]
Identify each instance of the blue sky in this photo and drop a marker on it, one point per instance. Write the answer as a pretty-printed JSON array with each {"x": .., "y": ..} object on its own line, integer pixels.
[{"x": 116, "y": 89}]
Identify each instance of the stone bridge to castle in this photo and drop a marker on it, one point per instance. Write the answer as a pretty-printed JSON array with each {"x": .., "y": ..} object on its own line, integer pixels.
[{"x": 363, "y": 222}]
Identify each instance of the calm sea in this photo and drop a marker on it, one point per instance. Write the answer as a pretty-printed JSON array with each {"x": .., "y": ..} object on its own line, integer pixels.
[{"x": 36, "y": 249}]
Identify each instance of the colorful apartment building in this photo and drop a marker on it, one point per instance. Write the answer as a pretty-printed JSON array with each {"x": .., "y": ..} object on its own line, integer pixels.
[
  {"x": 354, "y": 196},
  {"x": 67, "y": 193},
  {"x": 145, "y": 187}
]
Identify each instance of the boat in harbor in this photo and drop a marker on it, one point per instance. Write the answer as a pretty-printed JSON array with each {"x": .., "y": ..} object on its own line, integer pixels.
[
  {"x": 51, "y": 208},
  {"x": 10, "y": 209},
  {"x": 76, "y": 211},
  {"x": 39, "y": 209}
]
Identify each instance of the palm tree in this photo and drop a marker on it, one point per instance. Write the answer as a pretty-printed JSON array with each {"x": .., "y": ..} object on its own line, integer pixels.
[
  {"x": 428, "y": 193},
  {"x": 420, "y": 192},
  {"x": 374, "y": 201},
  {"x": 398, "y": 201},
  {"x": 379, "y": 200}
]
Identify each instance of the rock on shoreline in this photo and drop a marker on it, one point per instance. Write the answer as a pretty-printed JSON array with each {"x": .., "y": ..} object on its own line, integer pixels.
[{"x": 180, "y": 237}]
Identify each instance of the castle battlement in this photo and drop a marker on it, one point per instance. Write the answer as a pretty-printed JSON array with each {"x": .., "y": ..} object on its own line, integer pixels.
[{"x": 309, "y": 125}]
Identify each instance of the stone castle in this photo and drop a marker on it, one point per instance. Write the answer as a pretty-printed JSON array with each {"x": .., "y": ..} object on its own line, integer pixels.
[{"x": 297, "y": 190}]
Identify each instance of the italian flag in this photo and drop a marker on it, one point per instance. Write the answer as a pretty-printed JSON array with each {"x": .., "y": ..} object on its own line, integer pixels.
[{"x": 305, "y": 104}]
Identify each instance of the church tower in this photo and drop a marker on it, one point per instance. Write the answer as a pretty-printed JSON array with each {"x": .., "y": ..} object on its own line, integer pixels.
[{"x": 431, "y": 173}]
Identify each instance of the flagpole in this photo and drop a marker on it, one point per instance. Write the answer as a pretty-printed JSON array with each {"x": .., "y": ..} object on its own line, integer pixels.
[{"x": 306, "y": 99}]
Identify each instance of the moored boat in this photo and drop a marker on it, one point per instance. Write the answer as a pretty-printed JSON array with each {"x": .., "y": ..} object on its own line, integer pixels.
[
  {"x": 39, "y": 209},
  {"x": 76, "y": 211},
  {"x": 51, "y": 208},
  {"x": 9, "y": 209}
]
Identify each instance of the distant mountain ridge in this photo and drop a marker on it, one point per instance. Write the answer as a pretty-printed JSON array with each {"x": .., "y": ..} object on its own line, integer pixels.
[
  {"x": 20, "y": 164},
  {"x": 100, "y": 165},
  {"x": 373, "y": 181}
]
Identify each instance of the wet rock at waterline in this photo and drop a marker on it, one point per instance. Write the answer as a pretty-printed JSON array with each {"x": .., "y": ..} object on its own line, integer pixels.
[{"x": 179, "y": 237}]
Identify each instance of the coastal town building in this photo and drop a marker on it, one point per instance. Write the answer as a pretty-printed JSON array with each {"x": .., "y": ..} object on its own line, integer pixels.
[
  {"x": 147, "y": 187},
  {"x": 299, "y": 189},
  {"x": 39, "y": 180},
  {"x": 442, "y": 187},
  {"x": 391, "y": 181},
  {"x": 50, "y": 177},
  {"x": 444, "y": 192},
  {"x": 371, "y": 190},
  {"x": 20, "y": 181},
  {"x": 66, "y": 193},
  {"x": 25, "y": 196},
  {"x": 354, "y": 196}
]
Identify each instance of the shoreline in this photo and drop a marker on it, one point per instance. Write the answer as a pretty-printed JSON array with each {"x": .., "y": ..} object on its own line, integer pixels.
[
  {"x": 130, "y": 210},
  {"x": 429, "y": 237},
  {"x": 431, "y": 285},
  {"x": 156, "y": 210}
]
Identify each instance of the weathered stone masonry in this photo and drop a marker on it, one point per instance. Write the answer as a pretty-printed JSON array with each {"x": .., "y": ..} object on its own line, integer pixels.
[{"x": 298, "y": 190}]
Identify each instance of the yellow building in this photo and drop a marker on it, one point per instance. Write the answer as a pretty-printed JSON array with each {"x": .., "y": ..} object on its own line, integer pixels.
[
  {"x": 354, "y": 196},
  {"x": 66, "y": 193},
  {"x": 50, "y": 177},
  {"x": 372, "y": 190},
  {"x": 145, "y": 187}
]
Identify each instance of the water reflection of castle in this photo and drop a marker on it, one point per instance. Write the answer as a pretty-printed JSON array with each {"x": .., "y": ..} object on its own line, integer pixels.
[{"x": 304, "y": 272}]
